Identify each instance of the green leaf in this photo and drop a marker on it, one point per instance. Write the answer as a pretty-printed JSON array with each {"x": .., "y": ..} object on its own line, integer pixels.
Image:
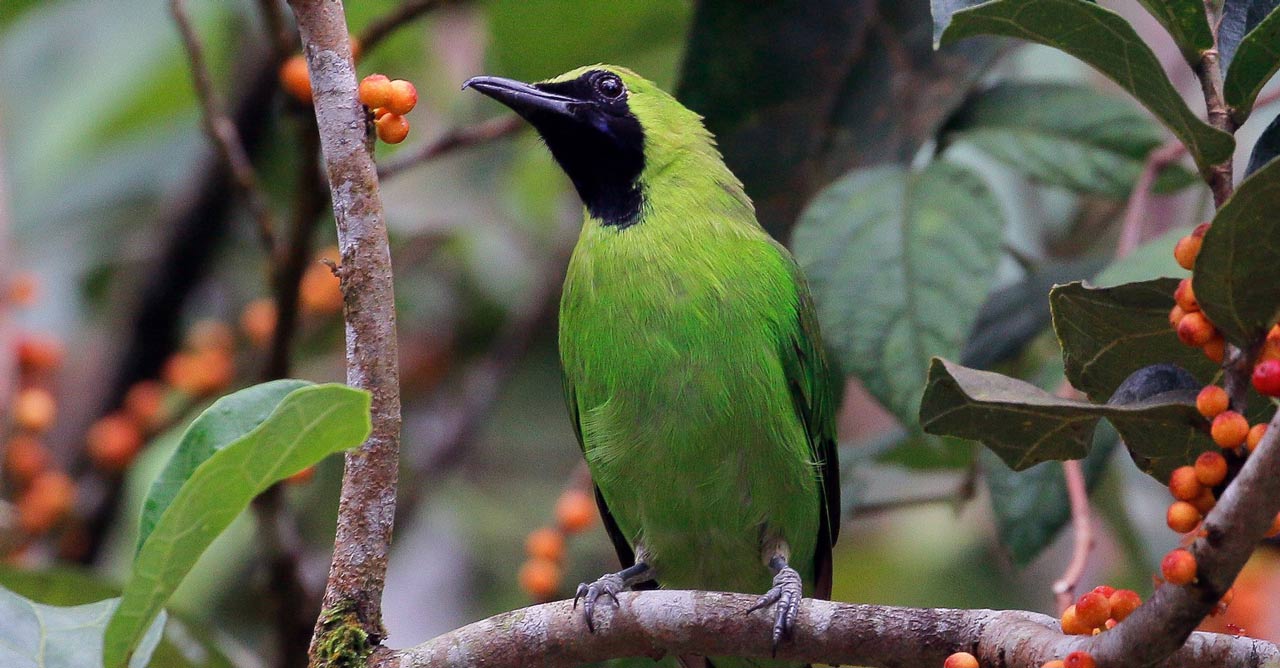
[
  {"x": 799, "y": 93},
  {"x": 1065, "y": 135},
  {"x": 35, "y": 635},
  {"x": 220, "y": 425},
  {"x": 899, "y": 263},
  {"x": 1025, "y": 425},
  {"x": 1108, "y": 333},
  {"x": 942, "y": 11},
  {"x": 1237, "y": 278},
  {"x": 1032, "y": 506},
  {"x": 1106, "y": 41},
  {"x": 1187, "y": 23},
  {"x": 309, "y": 424},
  {"x": 1266, "y": 149},
  {"x": 1255, "y": 61}
]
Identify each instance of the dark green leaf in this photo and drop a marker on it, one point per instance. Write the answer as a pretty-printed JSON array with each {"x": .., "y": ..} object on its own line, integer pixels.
[
  {"x": 798, "y": 93},
  {"x": 1025, "y": 425},
  {"x": 1238, "y": 18},
  {"x": 899, "y": 263},
  {"x": 1108, "y": 333},
  {"x": 1256, "y": 59},
  {"x": 1237, "y": 277},
  {"x": 1032, "y": 506},
  {"x": 1187, "y": 22},
  {"x": 35, "y": 635},
  {"x": 228, "y": 419},
  {"x": 1267, "y": 148},
  {"x": 309, "y": 424},
  {"x": 1065, "y": 135},
  {"x": 1106, "y": 41}
]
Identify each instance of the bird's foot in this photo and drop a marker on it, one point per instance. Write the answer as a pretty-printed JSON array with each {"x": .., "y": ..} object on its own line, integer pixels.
[
  {"x": 608, "y": 585},
  {"x": 786, "y": 593}
]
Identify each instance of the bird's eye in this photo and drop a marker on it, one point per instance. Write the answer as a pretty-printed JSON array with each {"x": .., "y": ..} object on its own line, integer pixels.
[{"x": 610, "y": 86}]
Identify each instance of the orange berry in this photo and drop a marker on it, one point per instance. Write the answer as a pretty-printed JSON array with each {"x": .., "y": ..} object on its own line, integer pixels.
[
  {"x": 1071, "y": 624},
  {"x": 1212, "y": 400},
  {"x": 540, "y": 579},
  {"x": 379, "y": 113},
  {"x": 1216, "y": 348},
  {"x": 1093, "y": 609},
  {"x": 320, "y": 292},
  {"x": 575, "y": 511},
  {"x": 302, "y": 477},
  {"x": 1105, "y": 590},
  {"x": 1123, "y": 603},
  {"x": 34, "y": 409},
  {"x": 1211, "y": 468},
  {"x": 1178, "y": 567},
  {"x": 144, "y": 404},
  {"x": 1056, "y": 663},
  {"x": 1256, "y": 432},
  {"x": 404, "y": 97},
  {"x": 392, "y": 128},
  {"x": 1205, "y": 501},
  {"x": 211, "y": 334},
  {"x": 1182, "y": 517},
  {"x": 25, "y": 458},
  {"x": 113, "y": 442},
  {"x": 39, "y": 353},
  {"x": 258, "y": 321},
  {"x": 1195, "y": 330},
  {"x": 23, "y": 289},
  {"x": 1175, "y": 316},
  {"x": 375, "y": 91},
  {"x": 1185, "y": 296},
  {"x": 1186, "y": 251},
  {"x": 1229, "y": 429},
  {"x": 1183, "y": 484},
  {"x": 1275, "y": 527},
  {"x": 1200, "y": 229},
  {"x": 181, "y": 371},
  {"x": 295, "y": 79},
  {"x": 1079, "y": 659},
  {"x": 960, "y": 660},
  {"x": 47, "y": 500},
  {"x": 545, "y": 543}
]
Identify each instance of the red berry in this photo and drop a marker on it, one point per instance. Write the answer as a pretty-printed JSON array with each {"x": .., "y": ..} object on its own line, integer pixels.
[
  {"x": 1093, "y": 609},
  {"x": 575, "y": 510},
  {"x": 1105, "y": 590},
  {"x": 1211, "y": 468},
  {"x": 1266, "y": 378},
  {"x": 545, "y": 543},
  {"x": 1200, "y": 229},
  {"x": 1175, "y": 316},
  {"x": 1178, "y": 567},
  {"x": 1216, "y": 348},
  {"x": 1212, "y": 401},
  {"x": 1123, "y": 603},
  {"x": 1071, "y": 624},
  {"x": 1256, "y": 432},
  {"x": 1079, "y": 659},
  {"x": 1185, "y": 296},
  {"x": 540, "y": 579},
  {"x": 1183, "y": 484},
  {"x": 1195, "y": 330},
  {"x": 1229, "y": 429},
  {"x": 961, "y": 660},
  {"x": 295, "y": 79}
]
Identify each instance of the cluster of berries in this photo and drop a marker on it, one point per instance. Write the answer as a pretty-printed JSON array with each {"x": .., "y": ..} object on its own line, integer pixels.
[
  {"x": 540, "y": 574},
  {"x": 1099, "y": 610},
  {"x": 1076, "y": 659}
]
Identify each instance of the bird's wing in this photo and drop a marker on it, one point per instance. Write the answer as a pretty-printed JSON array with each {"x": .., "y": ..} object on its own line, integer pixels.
[
  {"x": 813, "y": 392},
  {"x": 626, "y": 555}
]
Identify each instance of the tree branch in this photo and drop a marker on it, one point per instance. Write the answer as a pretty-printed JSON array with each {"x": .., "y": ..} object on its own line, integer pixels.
[
  {"x": 350, "y": 624},
  {"x": 658, "y": 623},
  {"x": 382, "y": 27},
  {"x": 463, "y": 137},
  {"x": 222, "y": 131}
]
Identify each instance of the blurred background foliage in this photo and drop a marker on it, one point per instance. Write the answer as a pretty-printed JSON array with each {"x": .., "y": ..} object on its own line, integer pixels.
[{"x": 127, "y": 243}]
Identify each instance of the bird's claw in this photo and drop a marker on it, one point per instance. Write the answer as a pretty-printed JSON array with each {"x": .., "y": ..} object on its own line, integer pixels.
[
  {"x": 786, "y": 593},
  {"x": 608, "y": 585}
]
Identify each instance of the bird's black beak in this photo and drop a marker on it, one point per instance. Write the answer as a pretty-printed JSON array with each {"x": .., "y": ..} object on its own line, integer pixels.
[{"x": 523, "y": 98}]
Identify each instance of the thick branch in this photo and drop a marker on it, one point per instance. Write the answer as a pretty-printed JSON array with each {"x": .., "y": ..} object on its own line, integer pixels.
[
  {"x": 352, "y": 617},
  {"x": 657, "y": 623}
]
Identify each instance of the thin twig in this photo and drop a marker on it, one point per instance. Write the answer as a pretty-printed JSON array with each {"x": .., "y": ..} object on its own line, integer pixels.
[
  {"x": 1136, "y": 214},
  {"x": 282, "y": 38},
  {"x": 1064, "y": 588},
  {"x": 665, "y": 623},
  {"x": 351, "y": 619},
  {"x": 382, "y": 27},
  {"x": 453, "y": 140},
  {"x": 222, "y": 131}
]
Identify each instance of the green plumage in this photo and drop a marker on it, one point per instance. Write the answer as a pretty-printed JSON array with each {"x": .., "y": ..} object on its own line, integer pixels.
[{"x": 694, "y": 371}]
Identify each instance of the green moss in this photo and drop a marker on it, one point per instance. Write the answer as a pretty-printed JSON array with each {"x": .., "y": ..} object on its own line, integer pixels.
[{"x": 343, "y": 642}]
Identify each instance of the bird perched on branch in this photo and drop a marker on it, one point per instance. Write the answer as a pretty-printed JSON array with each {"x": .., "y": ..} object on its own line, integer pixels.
[{"x": 694, "y": 370}]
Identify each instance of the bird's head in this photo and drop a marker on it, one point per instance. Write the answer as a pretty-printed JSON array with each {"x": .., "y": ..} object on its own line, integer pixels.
[{"x": 607, "y": 127}]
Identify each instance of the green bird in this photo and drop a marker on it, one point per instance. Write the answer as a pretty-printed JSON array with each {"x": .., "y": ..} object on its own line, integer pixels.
[{"x": 694, "y": 370}]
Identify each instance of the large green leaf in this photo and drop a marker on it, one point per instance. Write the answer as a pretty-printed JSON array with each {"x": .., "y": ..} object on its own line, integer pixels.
[
  {"x": 1065, "y": 135},
  {"x": 1187, "y": 22},
  {"x": 220, "y": 425},
  {"x": 899, "y": 263},
  {"x": 1266, "y": 149},
  {"x": 1032, "y": 506},
  {"x": 1237, "y": 277},
  {"x": 1249, "y": 41},
  {"x": 35, "y": 635},
  {"x": 309, "y": 424},
  {"x": 1108, "y": 333},
  {"x": 1025, "y": 425},
  {"x": 798, "y": 93},
  {"x": 1106, "y": 41}
]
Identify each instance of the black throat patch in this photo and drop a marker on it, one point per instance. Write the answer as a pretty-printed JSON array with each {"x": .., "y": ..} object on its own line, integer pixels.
[{"x": 600, "y": 147}]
